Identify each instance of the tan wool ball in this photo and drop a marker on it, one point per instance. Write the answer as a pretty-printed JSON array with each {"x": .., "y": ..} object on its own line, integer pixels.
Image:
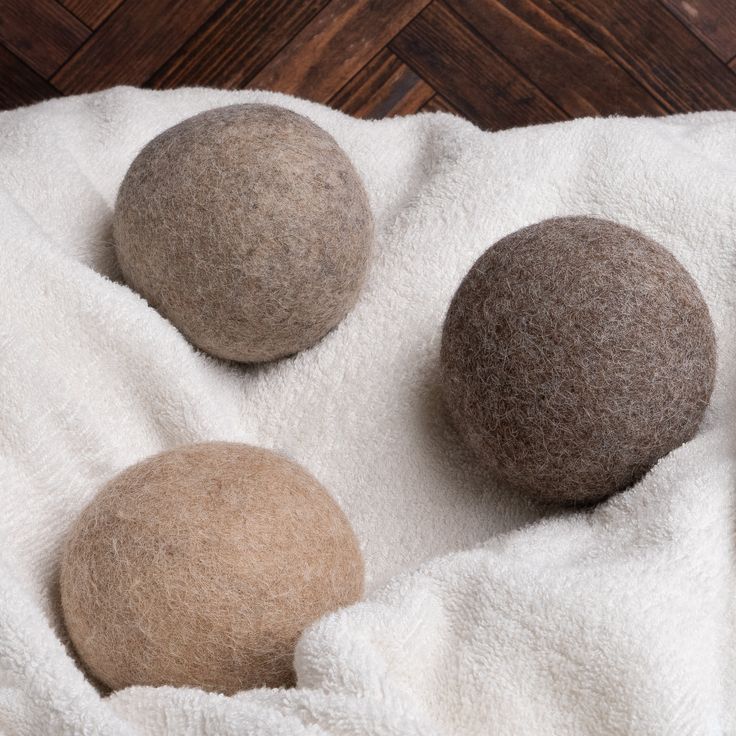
[
  {"x": 201, "y": 567},
  {"x": 246, "y": 226},
  {"x": 575, "y": 354}
]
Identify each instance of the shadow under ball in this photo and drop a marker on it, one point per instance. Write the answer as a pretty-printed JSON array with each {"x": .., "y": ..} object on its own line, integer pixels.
[
  {"x": 201, "y": 567},
  {"x": 248, "y": 228},
  {"x": 576, "y": 353}
]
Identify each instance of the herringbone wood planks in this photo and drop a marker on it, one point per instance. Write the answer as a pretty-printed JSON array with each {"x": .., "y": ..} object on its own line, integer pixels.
[{"x": 498, "y": 62}]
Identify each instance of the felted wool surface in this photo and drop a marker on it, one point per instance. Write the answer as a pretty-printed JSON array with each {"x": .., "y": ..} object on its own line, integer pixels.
[
  {"x": 248, "y": 227},
  {"x": 575, "y": 354},
  {"x": 201, "y": 566},
  {"x": 483, "y": 615}
]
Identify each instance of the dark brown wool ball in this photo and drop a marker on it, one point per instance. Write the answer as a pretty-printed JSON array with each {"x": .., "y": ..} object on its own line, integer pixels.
[
  {"x": 575, "y": 353},
  {"x": 246, "y": 226},
  {"x": 201, "y": 566}
]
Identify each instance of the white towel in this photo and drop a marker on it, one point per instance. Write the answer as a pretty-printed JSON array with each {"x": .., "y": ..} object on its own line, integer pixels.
[{"x": 482, "y": 616}]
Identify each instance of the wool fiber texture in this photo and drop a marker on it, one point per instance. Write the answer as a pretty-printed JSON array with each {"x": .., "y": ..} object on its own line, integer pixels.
[
  {"x": 248, "y": 227},
  {"x": 201, "y": 566},
  {"x": 484, "y": 613},
  {"x": 575, "y": 354}
]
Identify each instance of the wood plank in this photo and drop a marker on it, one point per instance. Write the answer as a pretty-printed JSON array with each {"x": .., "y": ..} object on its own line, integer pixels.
[
  {"x": 335, "y": 46},
  {"x": 657, "y": 49},
  {"x": 714, "y": 21},
  {"x": 41, "y": 33},
  {"x": 21, "y": 85},
  {"x": 551, "y": 51},
  {"x": 236, "y": 43},
  {"x": 474, "y": 78},
  {"x": 91, "y": 12},
  {"x": 133, "y": 42},
  {"x": 437, "y": 103},
  {"x": 384, "y": 87}
]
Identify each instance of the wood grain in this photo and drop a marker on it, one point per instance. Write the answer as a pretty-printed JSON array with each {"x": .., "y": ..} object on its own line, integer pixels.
[
  {"x": 91, "y": 12},
  {"x": 42, "y": 33},
  {"x": 554, "y": 54},
  {"x": 135, "y": 41},
  {"x": 437, "y": 103},
  {"x": 474, "y": 78},
  {"x": 384, "y": 87},
  {"x": 236, "y": 43},
  {"x": 713, "y": 20},
  {"x": 658, "y": 50},
  {"x": 20, "y": 84},
  {"x": 335, "y": 46},
  {"x": 498, "y": 62}
]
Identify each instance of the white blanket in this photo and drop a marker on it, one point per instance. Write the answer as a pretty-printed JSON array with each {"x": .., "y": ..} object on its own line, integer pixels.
[{"x": 482, "y": 616}]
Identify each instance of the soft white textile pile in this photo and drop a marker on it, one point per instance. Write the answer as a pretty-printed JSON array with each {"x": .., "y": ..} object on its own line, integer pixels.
[{"x": 482, "y": 616}]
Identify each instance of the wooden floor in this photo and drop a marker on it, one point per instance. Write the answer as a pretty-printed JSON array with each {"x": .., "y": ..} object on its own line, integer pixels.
[{"x": 499, "y": 63}]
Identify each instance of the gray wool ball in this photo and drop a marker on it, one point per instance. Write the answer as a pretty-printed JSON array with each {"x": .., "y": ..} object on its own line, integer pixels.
[
  {"x": 246, "y": 226},
  {"x": 576, "y": 353}
]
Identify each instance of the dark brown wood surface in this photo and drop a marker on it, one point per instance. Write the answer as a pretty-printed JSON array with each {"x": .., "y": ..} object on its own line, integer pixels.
[
  {"x": 473, "y": 76},
  {"x": 713, "y": 21},
  {"x": 91, "y": 12},
  {"x": 42, "y": 33},
  {"x": 499, "y": 63}
]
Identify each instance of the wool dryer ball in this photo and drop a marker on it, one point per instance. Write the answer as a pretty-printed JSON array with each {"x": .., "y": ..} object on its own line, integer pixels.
[
  {"x": 575, "y": 353},
  {"x": 246, "y": 226},
  {"x": 201, "y": 566}
]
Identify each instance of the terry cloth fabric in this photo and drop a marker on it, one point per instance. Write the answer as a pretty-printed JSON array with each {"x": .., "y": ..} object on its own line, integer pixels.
[{"x": 483, "y": 615}]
